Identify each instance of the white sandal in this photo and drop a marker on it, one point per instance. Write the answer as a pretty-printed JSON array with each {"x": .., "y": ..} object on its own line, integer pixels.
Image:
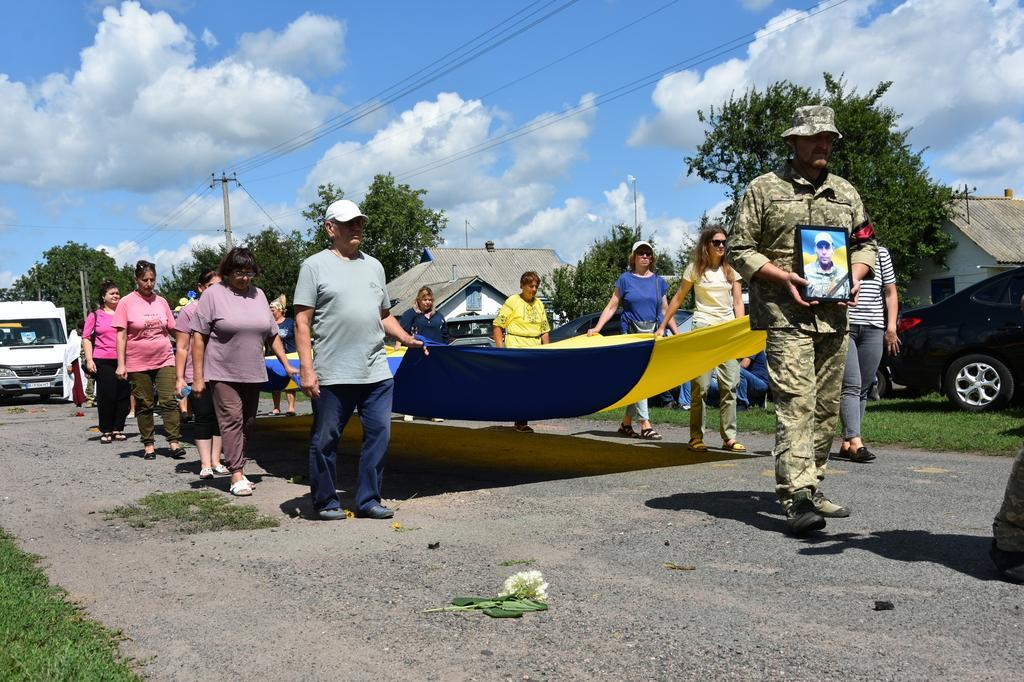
[
  {"x": 241, "y": 488},
  {"x": 221, "y": 469},
  {"x": 206, "y": 473}
]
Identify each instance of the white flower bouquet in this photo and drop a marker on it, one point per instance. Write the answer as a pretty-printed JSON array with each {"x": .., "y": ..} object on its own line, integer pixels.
[{"x": 522, "y": 592}]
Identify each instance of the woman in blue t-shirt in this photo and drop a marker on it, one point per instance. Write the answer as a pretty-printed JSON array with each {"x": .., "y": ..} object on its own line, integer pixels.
[
  {"x": 286, "y": 331},
  {"x": 423, "y": 319},
  {"x": 642, "y": 296}
]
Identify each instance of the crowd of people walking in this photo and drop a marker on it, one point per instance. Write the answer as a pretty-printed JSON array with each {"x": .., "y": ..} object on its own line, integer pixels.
[{"x": 824, "y": 344}]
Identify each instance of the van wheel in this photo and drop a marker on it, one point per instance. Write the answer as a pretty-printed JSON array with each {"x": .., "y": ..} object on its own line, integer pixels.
[{"x": 976, "y": 383}]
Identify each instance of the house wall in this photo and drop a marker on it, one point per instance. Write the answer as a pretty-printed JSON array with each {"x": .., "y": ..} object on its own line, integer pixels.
[
  {"x": 961, "y": 264},
  {"x": 489, "y": 304}
]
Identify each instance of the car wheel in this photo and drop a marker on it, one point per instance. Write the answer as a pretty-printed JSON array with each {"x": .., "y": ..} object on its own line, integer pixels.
[
  {"x": 978, "y": 382},
  {"x": 883, "y": 387}
]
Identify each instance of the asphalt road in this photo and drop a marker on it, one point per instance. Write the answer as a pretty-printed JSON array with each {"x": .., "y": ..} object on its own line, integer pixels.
[{"x": 599, "y": 516}]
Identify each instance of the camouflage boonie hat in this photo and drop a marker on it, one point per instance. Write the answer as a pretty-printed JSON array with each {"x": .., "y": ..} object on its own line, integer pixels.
[{"x": 812, "y": 120}]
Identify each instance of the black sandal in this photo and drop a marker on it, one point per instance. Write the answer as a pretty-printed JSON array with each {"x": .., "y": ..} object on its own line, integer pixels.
[
  {"x": 119, "y": 436},
  {"x": 862, "y": 455},
  {"x": 106, "y": 438},
  {"x": 650, "y": 434},
  {"x": 179, "y": 453},
  {"x": 627, "y": 431}
]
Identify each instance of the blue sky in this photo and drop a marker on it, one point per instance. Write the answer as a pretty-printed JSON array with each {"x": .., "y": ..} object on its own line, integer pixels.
[{"x": 114, "y": 115}]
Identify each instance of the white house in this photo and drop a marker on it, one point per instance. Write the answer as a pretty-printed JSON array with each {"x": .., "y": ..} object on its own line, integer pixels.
[
  {"x": 989, "y": 236},
  {"x": 469, "y": 281}
]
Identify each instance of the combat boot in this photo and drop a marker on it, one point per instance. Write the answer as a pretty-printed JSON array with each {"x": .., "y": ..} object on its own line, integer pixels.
[
  {"x": 827, "y": 508},
  {"x": 1009, "y": 564},
  {"x": 801, "y": 516}
]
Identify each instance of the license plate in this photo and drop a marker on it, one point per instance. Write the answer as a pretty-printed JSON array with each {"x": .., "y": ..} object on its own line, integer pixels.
[{"x": 38, "y": 384}]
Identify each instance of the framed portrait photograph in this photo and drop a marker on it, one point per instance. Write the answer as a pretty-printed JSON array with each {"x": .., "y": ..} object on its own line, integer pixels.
[{"x": 824, "y": 262}]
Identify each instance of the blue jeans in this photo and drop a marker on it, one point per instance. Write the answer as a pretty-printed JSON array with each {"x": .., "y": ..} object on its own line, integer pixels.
[
  {"x": 331, "y": 412},
  {"x": 753, "y": 389}
]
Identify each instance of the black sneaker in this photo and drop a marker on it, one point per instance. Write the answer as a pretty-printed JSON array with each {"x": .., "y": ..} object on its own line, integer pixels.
[
  {"x": 801, "y": 515},
  {"x": 827, "y": 508},
  {"x": 1009, "y": 564}
]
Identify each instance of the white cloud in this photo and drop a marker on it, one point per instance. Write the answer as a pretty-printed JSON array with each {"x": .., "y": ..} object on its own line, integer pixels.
[
  {"x": 945, "y": 79},
  {"x": 310, "y": 45},
  {"x": 209, "y": 39},
  {"x": 422, "y": 147},
  {"x": 130, "y": 251},
  {"x": 139, "y": 114},
  {"x": 7, "y": 278},
  {"x": 990, "y": 159}
]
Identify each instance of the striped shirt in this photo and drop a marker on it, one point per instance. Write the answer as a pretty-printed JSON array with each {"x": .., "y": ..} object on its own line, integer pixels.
[{"x": 870, "y": 309}]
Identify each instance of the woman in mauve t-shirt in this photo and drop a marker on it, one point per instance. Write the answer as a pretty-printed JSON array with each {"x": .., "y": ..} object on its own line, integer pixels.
[
  {"x": 144, "y": 324},
  {"x": 232, "y": 324},
  {"x": 99, "y": 341}
]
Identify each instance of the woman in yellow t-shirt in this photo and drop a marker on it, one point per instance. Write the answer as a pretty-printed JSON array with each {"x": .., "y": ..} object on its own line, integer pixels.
[
  {"x": 719, "y": 298},
  {"x": 522, "y": 322}
]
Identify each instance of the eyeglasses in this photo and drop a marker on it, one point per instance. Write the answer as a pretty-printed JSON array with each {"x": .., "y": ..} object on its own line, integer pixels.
[
  {"x": 243, "y": 273},
  {"x": 645, "y": 255},
  {"x": 718, "y": 242}
]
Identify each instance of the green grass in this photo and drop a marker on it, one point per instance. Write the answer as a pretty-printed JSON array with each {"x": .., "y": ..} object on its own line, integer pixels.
[
  {"x": 192, "y": 511},
  {"x": 43, "y": 636},
  {"x": 929, "y": 422}
]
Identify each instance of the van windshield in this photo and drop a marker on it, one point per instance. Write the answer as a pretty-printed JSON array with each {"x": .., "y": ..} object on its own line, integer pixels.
[{"x": 37, "y": 332}]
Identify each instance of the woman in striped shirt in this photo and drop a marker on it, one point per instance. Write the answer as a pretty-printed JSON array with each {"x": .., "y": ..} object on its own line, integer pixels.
[{"x": 872, "y": 328}]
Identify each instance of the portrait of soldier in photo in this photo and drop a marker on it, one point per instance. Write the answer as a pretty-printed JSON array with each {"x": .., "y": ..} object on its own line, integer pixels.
[{"x": 827, "y": 277}]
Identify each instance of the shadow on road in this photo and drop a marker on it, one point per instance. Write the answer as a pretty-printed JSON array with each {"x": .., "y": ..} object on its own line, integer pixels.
[
  {"x": 967, "y": 554},
  {"x": 429, "y": 459}
]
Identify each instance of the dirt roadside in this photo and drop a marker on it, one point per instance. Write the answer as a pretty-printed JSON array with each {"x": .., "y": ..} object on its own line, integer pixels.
[{"x": 598, "y": 515}]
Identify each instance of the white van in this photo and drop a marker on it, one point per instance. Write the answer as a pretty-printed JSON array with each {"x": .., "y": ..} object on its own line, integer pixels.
[{"x": 33, "y": 337}]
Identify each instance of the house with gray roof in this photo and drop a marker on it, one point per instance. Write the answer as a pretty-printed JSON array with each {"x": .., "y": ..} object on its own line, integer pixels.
[
  {"x": 470, "y": 281},
  {"x": 989, "y": 236}
]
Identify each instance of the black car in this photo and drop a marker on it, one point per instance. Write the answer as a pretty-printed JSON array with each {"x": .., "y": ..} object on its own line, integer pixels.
[
  {"x": 471, "y": 330},
  {"x": 581, "y": 325},
  {"x": 970, "y": 345}
]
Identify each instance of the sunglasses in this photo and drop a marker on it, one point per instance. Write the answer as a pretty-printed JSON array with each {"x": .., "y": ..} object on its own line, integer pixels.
[
  {"x": 824, "y": 245},
  {"x": 243, "y": 273},
  {"x": 718, "y": 242},
  {"x": 644, "y": 255}
]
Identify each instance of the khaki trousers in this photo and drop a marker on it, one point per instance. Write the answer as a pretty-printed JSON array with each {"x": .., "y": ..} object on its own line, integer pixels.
[
  {"x": 142, "y": 387},
  {"x": 1008, "y": 528}
]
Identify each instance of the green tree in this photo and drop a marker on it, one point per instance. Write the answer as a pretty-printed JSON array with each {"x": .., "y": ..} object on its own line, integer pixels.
[
  {"x": 56, "y": 279},
  {"x": 184, "y": 277},
  {"x": 743, "y": 140},
  {"x": 399, "y": 228},
  {"x": 586, "y": 287},
  {"x": 279, "y": 256}
]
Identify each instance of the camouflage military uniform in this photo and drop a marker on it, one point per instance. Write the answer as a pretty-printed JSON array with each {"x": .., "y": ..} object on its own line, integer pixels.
[
  {"x": 806, "y": 345},
  {"x": 1008, "y": 528},
  {"x": 831, "y": 284}
]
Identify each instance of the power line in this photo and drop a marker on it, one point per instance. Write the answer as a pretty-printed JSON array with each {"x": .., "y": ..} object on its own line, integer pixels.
[
  {"x": 496, "y": 90},
  {"x": 258, "y": 205},
  {"x": 368, "y": 107}
]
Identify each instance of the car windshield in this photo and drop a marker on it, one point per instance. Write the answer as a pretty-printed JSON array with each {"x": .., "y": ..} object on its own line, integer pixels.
[
  {"x": 483, "y": 327},
  {"x": 37, "y": 332}
]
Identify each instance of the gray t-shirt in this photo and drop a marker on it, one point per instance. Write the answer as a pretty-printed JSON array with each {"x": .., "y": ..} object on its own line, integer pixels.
[{"x": 347, "y": 297}]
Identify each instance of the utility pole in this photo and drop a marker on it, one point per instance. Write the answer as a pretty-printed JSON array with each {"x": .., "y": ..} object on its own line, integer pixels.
[
  {"x": 224, "y": 180},
  {"x": 636, "y": 224},
  {"x": 83, "y": 287}
]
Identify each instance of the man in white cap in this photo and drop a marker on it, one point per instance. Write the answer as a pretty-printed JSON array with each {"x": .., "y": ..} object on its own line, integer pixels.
[
  {"x": 806, "y": 347},
  {"x": 341, "y": 301},
  {"x": 826, "y": 279}
]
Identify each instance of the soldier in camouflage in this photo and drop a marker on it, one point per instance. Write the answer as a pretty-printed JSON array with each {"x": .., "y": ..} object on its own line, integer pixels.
[
  {"x": 827, "y": 279},
  {"x": 806, "y": 346},
  {"x": 1008, "y": 527}
]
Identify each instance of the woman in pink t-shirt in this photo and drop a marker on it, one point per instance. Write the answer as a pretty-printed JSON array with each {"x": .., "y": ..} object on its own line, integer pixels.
[
  {"x": 232, "y": 324},
  {"x": 144, "y": 324},
  {"x": 99, "y": 341},
  {"x": 205, "y": 429}
]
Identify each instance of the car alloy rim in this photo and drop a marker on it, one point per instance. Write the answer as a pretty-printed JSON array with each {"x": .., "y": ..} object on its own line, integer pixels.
[{"x": 977, "y": 384}]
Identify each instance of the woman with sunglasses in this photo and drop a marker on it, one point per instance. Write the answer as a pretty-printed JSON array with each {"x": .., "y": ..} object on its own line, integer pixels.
[
  {"x": 99, "y": 341},
  {"x": 144, "y": 324},
  {"x": 719, "y": 298},
  {"x": 641, "y": 293},
  {"x": 231, "y": 325}
]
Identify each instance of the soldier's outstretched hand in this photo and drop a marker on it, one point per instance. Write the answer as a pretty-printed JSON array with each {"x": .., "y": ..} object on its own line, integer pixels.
[{"x": 793, "y": 282}]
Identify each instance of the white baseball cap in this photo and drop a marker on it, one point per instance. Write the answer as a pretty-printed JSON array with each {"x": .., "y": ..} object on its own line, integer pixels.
[
  {"x": 343, "y": 210},
  {"x": 823, "y": 237},
  {"x": 637, "y": 245}
]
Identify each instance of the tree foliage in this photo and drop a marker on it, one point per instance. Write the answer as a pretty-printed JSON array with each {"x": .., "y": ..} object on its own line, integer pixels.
[
  {"x": 399, "y": 228},
  {"x": 743, "y": 140},
  {"x": 55, "y": 278},
  {"x": 185, "y": 276},
  {"x": 585, "y": 288}
]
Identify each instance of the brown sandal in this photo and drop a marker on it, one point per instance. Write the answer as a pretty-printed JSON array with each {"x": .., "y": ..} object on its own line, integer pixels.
[
  {"x": 627, "y": 431},
  {"x": 650, "y": 434}
]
